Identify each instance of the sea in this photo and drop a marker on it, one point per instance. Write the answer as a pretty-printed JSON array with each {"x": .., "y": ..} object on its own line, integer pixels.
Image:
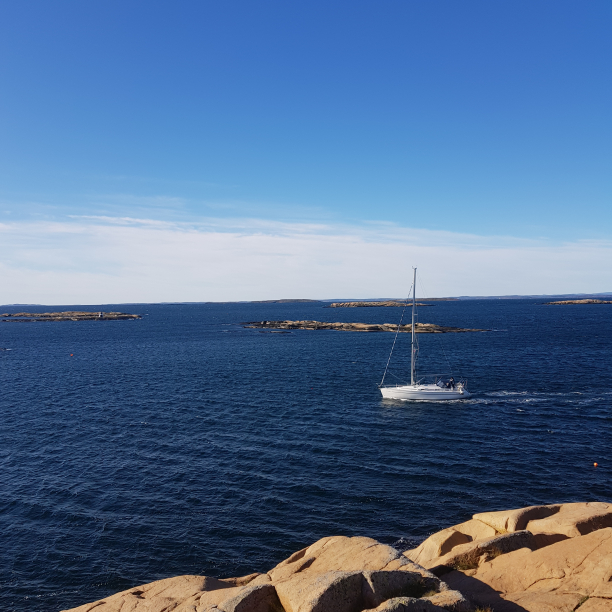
[{"x": 185, "y": 443}]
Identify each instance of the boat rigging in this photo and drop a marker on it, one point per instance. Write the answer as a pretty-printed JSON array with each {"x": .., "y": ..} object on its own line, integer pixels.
[{"x": 440, "y": 389}]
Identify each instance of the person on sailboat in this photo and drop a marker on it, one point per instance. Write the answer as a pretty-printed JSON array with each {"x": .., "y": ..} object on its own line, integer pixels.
[{"x": 451, "y": 383}]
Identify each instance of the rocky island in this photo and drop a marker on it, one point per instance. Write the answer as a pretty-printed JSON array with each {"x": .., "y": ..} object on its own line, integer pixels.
[
  {"x": 585, "y": 301},
  {"x": 69, "y": 315},
  {"x": 386, "y": 303},
  {"x": 420, "y": 328},
  {"x": 552, "y": 558}
]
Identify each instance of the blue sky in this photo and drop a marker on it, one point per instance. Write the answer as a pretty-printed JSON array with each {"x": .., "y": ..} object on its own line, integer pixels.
[{"x": 478, "y": 118}]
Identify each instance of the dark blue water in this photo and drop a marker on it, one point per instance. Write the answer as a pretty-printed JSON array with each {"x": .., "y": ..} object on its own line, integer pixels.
[{"x": 184, "y": 444}]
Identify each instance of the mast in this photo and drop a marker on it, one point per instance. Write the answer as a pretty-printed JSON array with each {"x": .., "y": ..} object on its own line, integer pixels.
[{"x": 413, "y": 355}]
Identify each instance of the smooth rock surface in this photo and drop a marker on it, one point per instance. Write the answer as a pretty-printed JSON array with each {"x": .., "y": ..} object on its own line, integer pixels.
[
  {"x": 575, "y": 519},
  {"x": 341, "y": 553},
  {"x": 328, "y": 592},
  {"x": 475, "y": 529},
  {"x": 169, "y": 593},
  {"x": 260, "y": 598},
  {"x": 380, "y": 586},
  {"x": 465, "y": 556},
  {"x": 452, "y": 601},
  {"x": 406, "y": 604},
  {"x": 566, "y": 565},
  {"x": 437, "y": 545},
  {"x": 515, "y": 520},
  {"x": 442, "y": 542},
  {"x": 556, "y": 577},
  {"x": 596, "y": 604}
]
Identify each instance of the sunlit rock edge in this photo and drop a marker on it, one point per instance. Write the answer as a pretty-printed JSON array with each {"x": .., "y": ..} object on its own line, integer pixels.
[{"x": 540, "y": 559}]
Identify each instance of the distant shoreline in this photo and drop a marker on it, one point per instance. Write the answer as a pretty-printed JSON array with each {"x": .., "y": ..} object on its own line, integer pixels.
[{"x": 461, "y": 298}]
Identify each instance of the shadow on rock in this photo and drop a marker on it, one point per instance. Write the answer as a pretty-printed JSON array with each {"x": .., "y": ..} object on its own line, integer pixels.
[{"x": 479, "y": 593}]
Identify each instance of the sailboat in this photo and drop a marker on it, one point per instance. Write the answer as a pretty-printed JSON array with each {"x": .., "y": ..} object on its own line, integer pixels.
[{"x": 439, "y": 390}]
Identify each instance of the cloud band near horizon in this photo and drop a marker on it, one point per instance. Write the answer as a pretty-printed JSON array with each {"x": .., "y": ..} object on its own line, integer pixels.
[{"x": 103, "y": 260}]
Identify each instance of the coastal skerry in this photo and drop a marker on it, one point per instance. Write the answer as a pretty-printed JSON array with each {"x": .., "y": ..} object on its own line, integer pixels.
[{"x": 420, "y": 328}]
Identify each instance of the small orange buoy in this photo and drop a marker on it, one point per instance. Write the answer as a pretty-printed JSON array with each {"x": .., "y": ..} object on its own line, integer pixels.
[
  {"x": 595, "y": 464},
  {"x": 71, "y": 356}
]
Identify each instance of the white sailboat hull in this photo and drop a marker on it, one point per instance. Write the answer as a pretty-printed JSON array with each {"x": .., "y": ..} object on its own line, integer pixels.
[
  {"x": 424, "y": 392},
  {"x": 437, "y": 392}
]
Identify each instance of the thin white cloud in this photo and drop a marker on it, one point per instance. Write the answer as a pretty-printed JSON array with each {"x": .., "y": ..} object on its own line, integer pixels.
[{"x": 91, "y": 260}]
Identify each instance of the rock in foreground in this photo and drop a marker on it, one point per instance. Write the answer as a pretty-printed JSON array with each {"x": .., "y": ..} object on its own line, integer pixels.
[
  {"x": 420, "y": 328},
  {"x": 538, "y": 559},
  {"x": 335, "y": 574}
]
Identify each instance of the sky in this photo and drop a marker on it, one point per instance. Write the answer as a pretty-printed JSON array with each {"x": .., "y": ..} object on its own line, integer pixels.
[{"x": 214, "y": 151}]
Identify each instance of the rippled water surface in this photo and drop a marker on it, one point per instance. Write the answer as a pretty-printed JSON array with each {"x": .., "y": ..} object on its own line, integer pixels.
[{"x": 185, "y": 444}]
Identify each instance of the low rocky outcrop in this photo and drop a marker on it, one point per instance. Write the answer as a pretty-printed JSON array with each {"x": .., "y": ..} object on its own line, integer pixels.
[
  {"x": 68, "y": 315},
  {"x": 385, "y": 303},
  {"x": 420, "y": 328},
  {"x": 551, "y": 558},
  {"x": 585, "y": 301}
]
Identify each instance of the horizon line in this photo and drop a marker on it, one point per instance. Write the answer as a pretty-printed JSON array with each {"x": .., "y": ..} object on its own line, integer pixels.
[{"x": 327, "y": 300}]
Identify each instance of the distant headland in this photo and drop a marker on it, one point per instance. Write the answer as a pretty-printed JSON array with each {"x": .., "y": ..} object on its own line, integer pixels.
[
  {"x": 285, "y": 301},
  {"x": 68, "y": 315},
  {"x": 584, "y": 298}
]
